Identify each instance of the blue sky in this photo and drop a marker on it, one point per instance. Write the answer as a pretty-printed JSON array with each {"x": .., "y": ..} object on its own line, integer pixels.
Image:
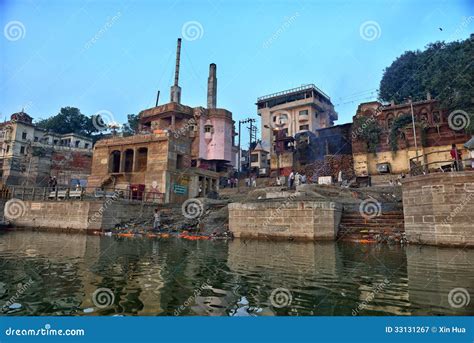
[{"x": 115, "y": 55}]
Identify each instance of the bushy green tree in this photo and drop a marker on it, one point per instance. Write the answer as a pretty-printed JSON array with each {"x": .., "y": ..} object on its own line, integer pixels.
[
  {"x": 68, "y": 120},
  {"x": 446, "y": 70}
]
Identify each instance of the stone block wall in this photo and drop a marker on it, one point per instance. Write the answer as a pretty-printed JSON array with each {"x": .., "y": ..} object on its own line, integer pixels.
[
  {"x": 438, "y": 209},
  {"x": 80, "y": 215},
  {"x": 298, "y": 219}
]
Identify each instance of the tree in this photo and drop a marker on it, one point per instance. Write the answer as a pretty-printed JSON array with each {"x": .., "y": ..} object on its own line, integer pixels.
[
  {"x": 443, "y": 69},
  {"x": 131, "y": 127},
  {"x": 69, "y": 120}
]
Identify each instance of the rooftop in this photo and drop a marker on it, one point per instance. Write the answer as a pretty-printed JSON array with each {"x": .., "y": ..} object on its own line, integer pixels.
[{"x": 294, "y": 91}]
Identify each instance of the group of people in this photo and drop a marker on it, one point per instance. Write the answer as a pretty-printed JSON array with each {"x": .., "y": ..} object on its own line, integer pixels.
[
  {"x": 296, "y": 179},
  {"x": 251, "y": 181},
  {"x": 231, "y": 182}
]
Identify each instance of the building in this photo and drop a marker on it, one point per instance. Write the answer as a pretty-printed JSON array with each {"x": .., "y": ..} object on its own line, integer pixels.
[
  {"x": 179, "y": 153},
  {"x": 286, "y": 114},
  {"x": 30, "y": 154},
  {"x": 305, "y": 108},
  {"x": 434, "y": 137},
  {"x": 259, "y": 160}
]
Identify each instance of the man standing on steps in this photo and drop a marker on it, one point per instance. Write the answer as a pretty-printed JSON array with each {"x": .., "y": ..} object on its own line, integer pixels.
[{"x": 291, "y": 180}]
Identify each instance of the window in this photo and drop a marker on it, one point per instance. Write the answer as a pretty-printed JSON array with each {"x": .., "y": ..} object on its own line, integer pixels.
[
  {"x": 86, "y": 145},
  {"x": 304, "y": 127},
  {"x": 36, "y": 139},
  {"x": 23, "y": 135},
  {"x": 436, "y": 117},
  {"x": 207, "y": 128},
  {"x": 274, "y": 118},
  {"x": 254, "y": 158},
  {"x": 179, "y": 161},
  {"x": 22, "y": 150},
  {"x": 303, "y": 113},
  {"x": 55, "y": 141},
  {"x": 8, "y": 148},
  {"x": 77, "y": 144}
]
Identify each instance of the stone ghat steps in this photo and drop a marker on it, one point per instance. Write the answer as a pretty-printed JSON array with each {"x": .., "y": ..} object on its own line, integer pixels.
[{"x": 354, "y": 226}]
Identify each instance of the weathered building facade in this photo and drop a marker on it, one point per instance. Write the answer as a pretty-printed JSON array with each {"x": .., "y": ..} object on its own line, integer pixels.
[
  {"x": 179, "y": 153},
  {"x": 434, "y": 137},
  {"x": 30, "y": 154}
]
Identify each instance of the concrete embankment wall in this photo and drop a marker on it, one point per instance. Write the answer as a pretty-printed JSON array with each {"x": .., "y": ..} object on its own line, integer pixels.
[
  {"x": 298, "y": 219},
  {"x": 80, "y": 215},
  {"x": 438, "y": 209}
]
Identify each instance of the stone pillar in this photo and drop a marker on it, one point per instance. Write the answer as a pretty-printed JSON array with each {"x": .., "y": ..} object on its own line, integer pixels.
[
  {"x": 122, "y": 161},
  {"x": 134, "y": 165}
]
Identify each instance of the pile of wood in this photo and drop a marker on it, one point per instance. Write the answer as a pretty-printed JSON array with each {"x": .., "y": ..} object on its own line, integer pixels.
[{"x": 330, "y": 166}]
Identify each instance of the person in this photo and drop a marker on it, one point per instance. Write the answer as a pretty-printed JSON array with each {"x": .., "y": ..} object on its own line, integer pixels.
[
  {"x": 254, "y": 181},
  {"x": 291, "y": 179},
  {"x": 297, "y": 179},
  {"x": 54, "y": 183},
  {"x": 156, "y": 220},
  {"x": 303, "y": 178},
  {"x": 457, "y": 157},
  {"x": 247, "y": 182}
]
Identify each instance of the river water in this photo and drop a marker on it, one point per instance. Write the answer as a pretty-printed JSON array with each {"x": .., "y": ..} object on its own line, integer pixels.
[{"x": 44, "y": 273}]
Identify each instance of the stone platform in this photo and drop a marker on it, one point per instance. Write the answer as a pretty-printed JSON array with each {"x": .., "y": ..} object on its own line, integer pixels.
[{"x": 285, "y": 219}]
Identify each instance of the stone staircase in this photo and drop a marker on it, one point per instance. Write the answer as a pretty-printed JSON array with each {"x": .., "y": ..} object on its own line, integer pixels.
[{"x": 388, "y": 226}]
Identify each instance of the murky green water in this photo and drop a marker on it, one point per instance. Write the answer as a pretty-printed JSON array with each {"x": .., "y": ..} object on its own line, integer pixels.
[{"x": 61, "y": 274}]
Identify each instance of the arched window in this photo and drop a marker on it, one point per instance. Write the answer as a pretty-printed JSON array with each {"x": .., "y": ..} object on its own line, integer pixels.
[
  {"x": 128, "y": 167},
  {"x": 114, "y": 162},
  {"x": 389, "y": 120},
  {"x": 142, "y": 157}
]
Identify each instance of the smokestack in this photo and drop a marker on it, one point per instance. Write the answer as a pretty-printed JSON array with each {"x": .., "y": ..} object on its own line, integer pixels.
[
  {"x": 212, "y": 87},
  {"x": 175, "y": 95}
]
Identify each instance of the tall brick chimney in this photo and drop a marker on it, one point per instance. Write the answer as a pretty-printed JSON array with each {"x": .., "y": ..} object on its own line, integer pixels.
[
  {"x": 212, "y": 87},
  {"x": 175, "y": 93}
]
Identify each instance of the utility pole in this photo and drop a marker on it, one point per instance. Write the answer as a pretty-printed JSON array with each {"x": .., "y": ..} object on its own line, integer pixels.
[
  {"x": 414, "y": 129},
  {"x": 248, "y": 120}
]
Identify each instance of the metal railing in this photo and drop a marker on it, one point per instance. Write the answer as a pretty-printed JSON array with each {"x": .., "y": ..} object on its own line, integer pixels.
[
  {"x": 421, "y": 165},
  {"x": 81, "y": 194},
  {"x": 294, "y": 90}
]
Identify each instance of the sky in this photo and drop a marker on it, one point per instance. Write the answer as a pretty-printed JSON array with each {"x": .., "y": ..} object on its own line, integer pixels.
[{"x": 115, "y": 55}]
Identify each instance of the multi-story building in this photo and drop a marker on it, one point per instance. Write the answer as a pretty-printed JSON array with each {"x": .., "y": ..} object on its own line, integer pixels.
[
  {"x": 305, "y": 108},
  {"x": 288, "y": 113},
  {"x": 29, "y": 154}
]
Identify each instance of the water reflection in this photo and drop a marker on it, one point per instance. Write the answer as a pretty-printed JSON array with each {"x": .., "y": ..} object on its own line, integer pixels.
[{"x": 179, "y": 277}]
